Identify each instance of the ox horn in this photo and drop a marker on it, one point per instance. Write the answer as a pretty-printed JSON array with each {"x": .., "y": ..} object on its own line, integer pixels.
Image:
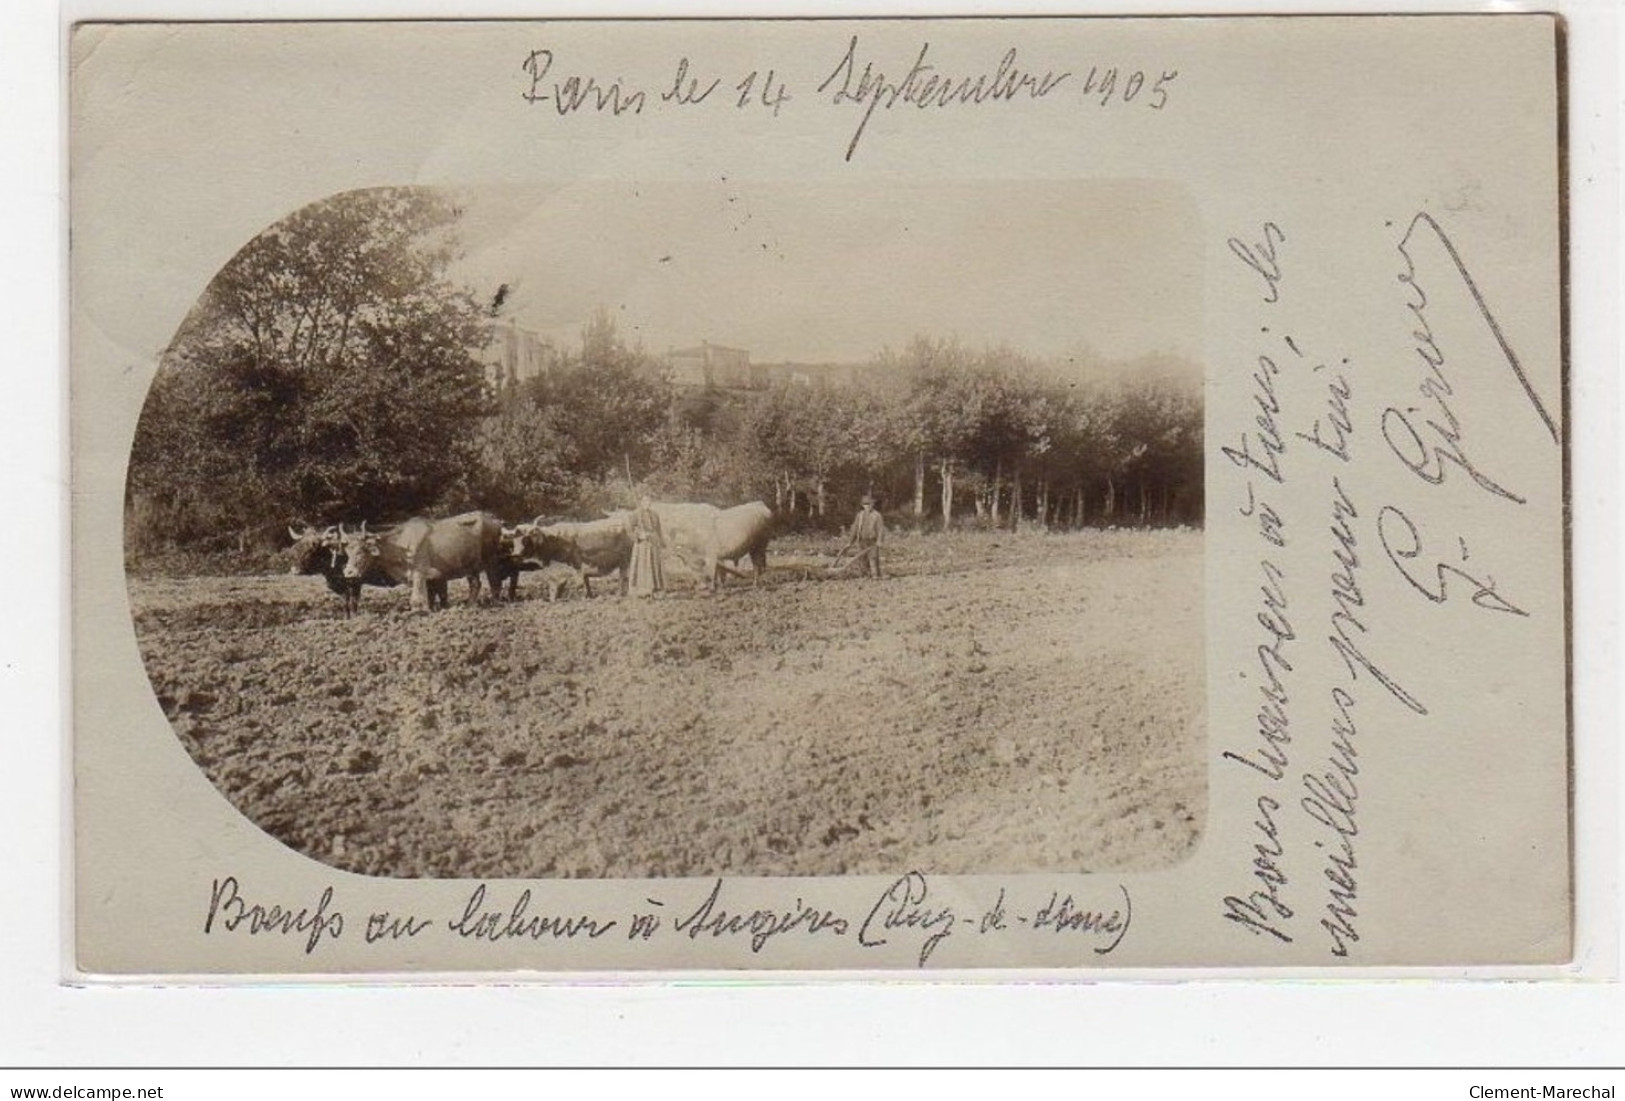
[
  {"x": 297, "y": 535},
  {"x": 341, "y": 529}
]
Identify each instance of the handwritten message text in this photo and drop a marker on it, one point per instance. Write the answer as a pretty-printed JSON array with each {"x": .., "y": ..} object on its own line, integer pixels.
[{"x": 1326, "y": 537}]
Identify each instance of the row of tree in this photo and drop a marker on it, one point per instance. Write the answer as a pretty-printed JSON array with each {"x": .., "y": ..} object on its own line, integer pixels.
[{"x": 332, "y": 371}]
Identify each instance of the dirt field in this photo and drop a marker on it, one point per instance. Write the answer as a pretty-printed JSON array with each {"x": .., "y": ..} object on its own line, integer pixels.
[{"x": 1001, "y": 703}]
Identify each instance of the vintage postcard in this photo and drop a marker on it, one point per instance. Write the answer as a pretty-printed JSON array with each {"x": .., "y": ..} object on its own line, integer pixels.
[{"x": 1055, "y": 494}]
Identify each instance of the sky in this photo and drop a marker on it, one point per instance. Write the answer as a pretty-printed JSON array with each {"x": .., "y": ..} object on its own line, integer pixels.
[{"x": 837, "y": 272}]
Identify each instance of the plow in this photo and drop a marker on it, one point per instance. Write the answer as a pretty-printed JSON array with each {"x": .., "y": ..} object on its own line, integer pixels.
[{"x": 812, "y": 567}]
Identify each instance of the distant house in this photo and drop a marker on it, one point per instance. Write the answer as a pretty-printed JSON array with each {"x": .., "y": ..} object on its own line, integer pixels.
[
  {"x": 516, "y": 353},
  {"x": 713, "y": 365}
]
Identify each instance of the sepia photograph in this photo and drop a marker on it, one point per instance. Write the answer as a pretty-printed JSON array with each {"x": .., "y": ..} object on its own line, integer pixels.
[
  {"x": 636, "y": 529},
  {"x": 569, "y": 497}
]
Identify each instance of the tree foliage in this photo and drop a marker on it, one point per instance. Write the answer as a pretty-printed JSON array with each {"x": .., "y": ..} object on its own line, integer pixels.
[
  {"x": 330, "y": 369},
  {"x": 597, "y": 416}
]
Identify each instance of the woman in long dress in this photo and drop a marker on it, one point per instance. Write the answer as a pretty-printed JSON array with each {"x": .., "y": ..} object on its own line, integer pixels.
[{"x": 648, "y": 575}]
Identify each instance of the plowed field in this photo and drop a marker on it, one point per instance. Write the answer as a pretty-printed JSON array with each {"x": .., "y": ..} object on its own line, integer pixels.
[{"x": 998, "y": 703}]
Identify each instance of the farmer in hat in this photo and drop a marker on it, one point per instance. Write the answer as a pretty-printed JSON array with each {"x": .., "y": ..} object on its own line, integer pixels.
[{"x": 868, "y": 532}]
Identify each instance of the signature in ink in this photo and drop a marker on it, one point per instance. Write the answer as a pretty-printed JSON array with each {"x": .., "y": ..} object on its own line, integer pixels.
[
  {"x": 1403, "y": 544},
  {"x": 1429, "y": 438}
]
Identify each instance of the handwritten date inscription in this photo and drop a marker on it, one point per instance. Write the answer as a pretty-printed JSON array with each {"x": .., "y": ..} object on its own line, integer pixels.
[{"x": 857, "y": 80}]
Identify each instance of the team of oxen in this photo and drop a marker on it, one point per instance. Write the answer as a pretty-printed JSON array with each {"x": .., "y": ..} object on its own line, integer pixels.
[{"x": 427, "y": 555}]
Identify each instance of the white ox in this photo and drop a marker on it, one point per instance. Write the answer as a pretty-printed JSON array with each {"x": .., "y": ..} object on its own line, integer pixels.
[{"x": 717, "y": 535}]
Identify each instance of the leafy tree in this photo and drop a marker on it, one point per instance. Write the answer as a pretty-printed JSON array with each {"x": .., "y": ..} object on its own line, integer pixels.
[
  {"x": 329, "y": 370},
  {"x": 1162, "y": 416},
  {"x": 945, "y": 406},
  {"x": 717, "y": 467},
  {"x": 610, "y": 403},
  {"x": 771, "y": 432},
  {"x": 1011, "y": 426},
  {"x": 525, "y": 466}
]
